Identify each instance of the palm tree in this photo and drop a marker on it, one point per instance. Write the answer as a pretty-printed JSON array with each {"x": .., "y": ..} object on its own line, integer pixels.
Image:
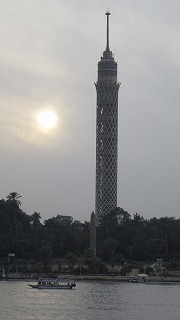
[
  {"x": 13, "y": 197},
  {"x": 35, "y": 219}
]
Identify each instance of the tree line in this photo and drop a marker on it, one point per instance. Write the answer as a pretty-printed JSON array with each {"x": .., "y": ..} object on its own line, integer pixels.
[{"x": 120, "y": 236}]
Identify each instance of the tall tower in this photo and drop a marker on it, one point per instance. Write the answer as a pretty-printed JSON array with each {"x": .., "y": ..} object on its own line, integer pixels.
[{"x": 106, "y": 132}]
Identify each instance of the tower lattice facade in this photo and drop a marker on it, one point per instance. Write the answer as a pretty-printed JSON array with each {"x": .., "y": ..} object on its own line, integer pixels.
[{"x": 107, "y": 89}]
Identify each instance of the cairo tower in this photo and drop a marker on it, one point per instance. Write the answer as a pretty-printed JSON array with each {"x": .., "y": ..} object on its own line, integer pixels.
[{"x": 107, "y": 89}]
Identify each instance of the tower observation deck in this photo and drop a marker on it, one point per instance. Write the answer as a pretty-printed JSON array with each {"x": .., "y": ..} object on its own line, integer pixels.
[{"x": 107, "y": 89}]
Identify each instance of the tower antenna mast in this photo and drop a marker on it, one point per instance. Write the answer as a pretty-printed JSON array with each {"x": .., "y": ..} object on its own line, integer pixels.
[{"x": 107, "y": 44}]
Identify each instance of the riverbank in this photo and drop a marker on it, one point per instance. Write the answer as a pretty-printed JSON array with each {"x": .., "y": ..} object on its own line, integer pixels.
[{"x": 116, "y": 278}]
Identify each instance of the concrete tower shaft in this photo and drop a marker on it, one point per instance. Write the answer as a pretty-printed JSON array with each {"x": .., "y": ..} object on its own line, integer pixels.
[{"x": 106, "y": 132}]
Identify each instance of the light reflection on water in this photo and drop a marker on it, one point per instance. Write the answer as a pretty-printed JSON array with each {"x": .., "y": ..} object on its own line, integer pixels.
[{"x": 90, "y": 300}]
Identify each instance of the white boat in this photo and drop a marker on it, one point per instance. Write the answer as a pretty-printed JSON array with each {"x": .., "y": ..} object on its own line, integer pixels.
[
  {"x": 140, "y": 278},
  {"x": 50, "y": 283}
]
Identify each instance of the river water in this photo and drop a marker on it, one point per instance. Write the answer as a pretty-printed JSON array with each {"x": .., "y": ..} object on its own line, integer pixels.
[{"x": 90, "y": 301}]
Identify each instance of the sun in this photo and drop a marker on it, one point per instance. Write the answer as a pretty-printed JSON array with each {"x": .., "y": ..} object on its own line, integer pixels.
[{"x": 47, "y": 119}]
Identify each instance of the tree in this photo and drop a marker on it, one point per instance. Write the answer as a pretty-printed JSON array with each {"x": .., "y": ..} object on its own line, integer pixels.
[
  {"x": 35, "y": 219},
  {"x": 66, "y": 235},
  {"x": 117, "y": 225},
  {"x": 72, "y": 258},
  {"x": 45, "y": 255},
  {"x": 110, "y": 247},
  {"x": 89, "y": 260},
  {"x": 36, "y": 232},
  {"x": 13, "y": 197}
]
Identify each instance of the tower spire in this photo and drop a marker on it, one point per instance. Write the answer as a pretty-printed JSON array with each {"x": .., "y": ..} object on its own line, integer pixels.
[{"x": 107, "y": 43}]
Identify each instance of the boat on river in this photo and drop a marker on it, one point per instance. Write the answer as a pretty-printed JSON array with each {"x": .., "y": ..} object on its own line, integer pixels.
[
  {"x": 140, "y": 278},
  {"x": 51, "y": 283}
]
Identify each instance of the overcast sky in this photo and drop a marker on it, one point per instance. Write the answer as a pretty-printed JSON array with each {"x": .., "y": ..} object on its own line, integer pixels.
[{"x": 49, "y": 50}]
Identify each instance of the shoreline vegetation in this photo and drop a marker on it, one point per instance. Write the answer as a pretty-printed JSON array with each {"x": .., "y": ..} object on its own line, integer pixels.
[{"x": 125, "y": 245}]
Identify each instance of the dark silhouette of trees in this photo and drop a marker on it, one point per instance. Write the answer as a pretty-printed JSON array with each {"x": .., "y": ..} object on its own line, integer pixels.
[
  {"x": 37, "y": 233},
  {"x": 45, "y": 255},
  {"x": 13, "y": 199},
  {"x": 72, "y": 259},
  {"x": 109, "y": 248},
  {"x": 120, "y": 236}
]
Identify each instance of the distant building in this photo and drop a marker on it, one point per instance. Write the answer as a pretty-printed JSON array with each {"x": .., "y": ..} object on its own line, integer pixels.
[{"x": 106, "y": 132}]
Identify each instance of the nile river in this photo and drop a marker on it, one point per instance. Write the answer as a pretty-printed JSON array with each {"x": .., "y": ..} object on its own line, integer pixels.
[{"x": 90, "y": 301}]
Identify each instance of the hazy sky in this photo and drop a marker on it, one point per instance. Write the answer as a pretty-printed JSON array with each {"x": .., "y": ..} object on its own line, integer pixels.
[{"x": 49, "y": 50}]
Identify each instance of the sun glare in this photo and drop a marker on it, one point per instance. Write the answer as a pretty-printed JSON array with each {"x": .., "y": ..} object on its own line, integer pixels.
[{"x": 47, "y": 119}]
